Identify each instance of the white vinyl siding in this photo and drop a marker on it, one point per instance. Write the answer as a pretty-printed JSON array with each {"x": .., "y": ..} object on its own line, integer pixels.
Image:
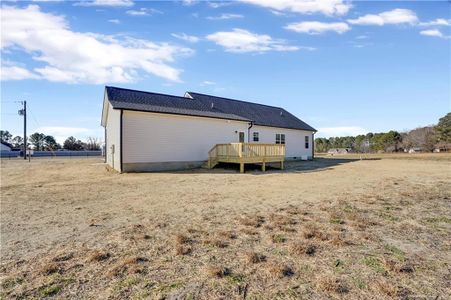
[
  {"x": 113, "y": 123},
  {"x": 294, "y": 139},
  {"x": 154, "y": 137}
]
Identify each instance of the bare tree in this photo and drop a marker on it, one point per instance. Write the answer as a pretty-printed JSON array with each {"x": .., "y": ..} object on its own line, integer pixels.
[
  {"x": 92, "y": 143},
  {"x": 423, "y": 137}
]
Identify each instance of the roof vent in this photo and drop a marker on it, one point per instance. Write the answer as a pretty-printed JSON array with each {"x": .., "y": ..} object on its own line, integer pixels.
[{"x": 212, "y": 105}]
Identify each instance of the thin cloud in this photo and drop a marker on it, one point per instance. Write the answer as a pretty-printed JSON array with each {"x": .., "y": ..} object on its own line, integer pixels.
[
  {"x": 109, "y": 59},
  {"x": 218, "y": 4},
  {"x": 114, "y": 21},
  {"x": 434, "y": 33},
  {"x": 16, "y": 73},
  {"x": 143, "y": 12},
  {"x": 207, "y": 82},
  {"x": 185, "y": 37},
  {"x": 315, "y": 27},
  {"x": 395, "y": 16},
  {"x": 189, "y": 2},
  {"x": 226, "y": 17},
  {"x": 244, "y": 41},
  {"x": 114, "y": 3},
  {"x": 437, "y": 22},
  {"x": 326, "y": 7}
]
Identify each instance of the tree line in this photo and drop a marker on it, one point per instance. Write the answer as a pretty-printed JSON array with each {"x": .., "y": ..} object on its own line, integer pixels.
[
  {"x": 424, "y": 138},
  {"x": 43, "y": 142}
]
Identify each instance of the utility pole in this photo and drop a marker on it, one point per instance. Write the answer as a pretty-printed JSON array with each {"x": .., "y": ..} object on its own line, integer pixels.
[{"x": 23, "y": 112}]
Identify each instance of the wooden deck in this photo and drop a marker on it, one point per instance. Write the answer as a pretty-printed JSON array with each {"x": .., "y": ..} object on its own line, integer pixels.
[{"x": 246, "y": 153}]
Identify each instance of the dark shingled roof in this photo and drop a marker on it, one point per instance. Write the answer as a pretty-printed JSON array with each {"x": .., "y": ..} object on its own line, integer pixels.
[
  {"x": 145, "y": 101},
  {"x": 204, "y": 106},
  {"x": 260, "y": 114}
]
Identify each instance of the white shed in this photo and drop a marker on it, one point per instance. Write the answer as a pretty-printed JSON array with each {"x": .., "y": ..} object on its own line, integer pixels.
[
  {"x": 5, "y": 147},
  {"x": 153, "y": 132}
]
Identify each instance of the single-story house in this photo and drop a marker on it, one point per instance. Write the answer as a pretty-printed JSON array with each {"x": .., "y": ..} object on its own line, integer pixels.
[
  {"x": 339, "y": 151},
  {"x": 5, "y": 147},
  {"x": 147, "y": 131}
]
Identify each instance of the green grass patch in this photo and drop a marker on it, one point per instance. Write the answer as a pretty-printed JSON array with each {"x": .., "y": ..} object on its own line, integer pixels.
[
  {"x": 388, "y": 217},
  {"x": 169, "y": 286},
  {"x": 279, "y": 238},
  {"x": 360, "y": 283},
  {"x": 374, "y": 263},
  {"x": 441, "y": 219},
  {"x": 11, "y": 282},
  {"x": 130, "y": 281},
  {"x": 50, "y": 290},
  {"x": 336, "y": 221},
  {"x": 396, "y": 252},
  {"x": 235, "y": 278}
]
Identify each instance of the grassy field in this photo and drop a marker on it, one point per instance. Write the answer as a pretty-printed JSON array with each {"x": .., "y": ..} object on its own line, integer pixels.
[{"x": 332, "y": 228}]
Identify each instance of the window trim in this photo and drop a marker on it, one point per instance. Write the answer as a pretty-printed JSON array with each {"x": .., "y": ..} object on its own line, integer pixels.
[
  {"x": 280, "y": 139},
  {"x": 255, "y": 136}
]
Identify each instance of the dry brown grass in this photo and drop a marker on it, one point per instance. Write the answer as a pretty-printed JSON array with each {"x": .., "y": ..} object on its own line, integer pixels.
[
  {"x": 332, "y": 284},
  {"x": 50, "y": 268},
  {"x": 301, "y": 248},
  {"x": 253, "y": 257},
  {"x": 99, "y": 255},
  {"x": 217, "y": 271},
  {"x": 182, "y": 239},
  {"x": 279, "y": 270},
  {"x": 374, "y": 229},
  {"x": 128, "y": 265}
]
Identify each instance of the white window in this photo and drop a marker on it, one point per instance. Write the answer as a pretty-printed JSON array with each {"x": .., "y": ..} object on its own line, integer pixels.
[
  {"x": 255, "y": 137},
  {"x": 306, "y": 142},
  {"x": 280, "y": 138}
]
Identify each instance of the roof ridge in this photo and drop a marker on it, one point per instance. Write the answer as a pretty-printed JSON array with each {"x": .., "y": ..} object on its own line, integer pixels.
[
  {"x": 145, "y": 92},
  {"x": 230, "y": 99}
]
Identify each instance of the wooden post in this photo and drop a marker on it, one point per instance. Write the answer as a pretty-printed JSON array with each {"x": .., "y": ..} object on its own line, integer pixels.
[
  {"x": 281, "y": 164},
  {"x": 241, "y": 167},
  {"x": 263, "y": 166},
  {"x": 228, "y": 151}
]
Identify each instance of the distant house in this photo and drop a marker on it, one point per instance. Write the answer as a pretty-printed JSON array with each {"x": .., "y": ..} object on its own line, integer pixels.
[
  {"x": 339, "y": 151},
  {"x": 5, "y": 147},
  {"x": 415, "y": 150},
  {"x": 147, "y": 131}
]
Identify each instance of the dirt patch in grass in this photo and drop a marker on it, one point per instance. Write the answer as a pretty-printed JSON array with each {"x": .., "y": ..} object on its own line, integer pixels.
[{"x": 344, "y": 231}]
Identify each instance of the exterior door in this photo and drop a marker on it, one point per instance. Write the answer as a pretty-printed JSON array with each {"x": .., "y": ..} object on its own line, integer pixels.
[{"x": 241, "y": 137}]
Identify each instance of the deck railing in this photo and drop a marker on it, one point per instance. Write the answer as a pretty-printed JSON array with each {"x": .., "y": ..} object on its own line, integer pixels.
[{"x": 246, "y": 153}]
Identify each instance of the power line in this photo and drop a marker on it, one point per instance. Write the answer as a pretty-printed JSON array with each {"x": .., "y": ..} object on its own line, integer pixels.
[{"x": 34, "y": 118}]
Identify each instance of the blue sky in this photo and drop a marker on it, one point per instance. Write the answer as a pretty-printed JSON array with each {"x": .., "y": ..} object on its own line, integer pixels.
[{"x": 343, "y": 67}]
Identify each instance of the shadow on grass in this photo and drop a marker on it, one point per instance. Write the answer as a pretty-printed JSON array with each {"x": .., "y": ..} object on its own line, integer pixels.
[{"x": 318, "y": 164}]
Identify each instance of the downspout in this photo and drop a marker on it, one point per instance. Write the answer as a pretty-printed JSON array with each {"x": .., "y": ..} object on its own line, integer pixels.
[
  {"x": 105, "y": 148},
  {"x": 251, "y": 123},
  {"x": 313, "y": 145},
  {"x": 120, "y": 141}
]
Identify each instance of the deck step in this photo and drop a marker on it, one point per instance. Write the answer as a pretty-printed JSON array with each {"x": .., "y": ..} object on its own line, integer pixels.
[{"x": 206, "y": 166}]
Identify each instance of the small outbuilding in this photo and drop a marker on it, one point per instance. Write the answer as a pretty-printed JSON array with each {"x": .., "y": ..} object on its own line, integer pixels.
[
  {"x": 5, "y": 147},
  {"x": 336, "y": 151},
  {"x": 147, "y": 131}
]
